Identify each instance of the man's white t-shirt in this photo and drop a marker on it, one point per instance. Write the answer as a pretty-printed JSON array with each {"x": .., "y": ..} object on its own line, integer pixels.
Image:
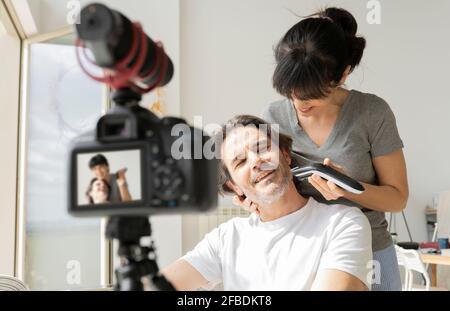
[{"x": 286, "y": 254}]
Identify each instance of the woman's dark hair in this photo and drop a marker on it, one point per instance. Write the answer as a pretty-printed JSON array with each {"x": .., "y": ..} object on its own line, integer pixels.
[
  {"x": 313, "y": 55},
  {"x": 89, "y": 189},
  {"x": 99, "y": 159}
]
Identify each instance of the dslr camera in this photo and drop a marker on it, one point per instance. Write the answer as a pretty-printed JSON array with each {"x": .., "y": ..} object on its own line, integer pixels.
[{"x": 126, "y": 166}]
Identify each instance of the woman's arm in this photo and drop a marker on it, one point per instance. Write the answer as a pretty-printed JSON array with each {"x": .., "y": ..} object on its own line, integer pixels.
[
  {"x": 123, "y": 186},
  {"x": 124, "y": 192},
  {"x": 390, "y": 195}
]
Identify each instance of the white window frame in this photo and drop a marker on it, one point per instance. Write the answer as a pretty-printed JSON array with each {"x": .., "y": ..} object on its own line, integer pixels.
[{"x": 9, "y": 120}]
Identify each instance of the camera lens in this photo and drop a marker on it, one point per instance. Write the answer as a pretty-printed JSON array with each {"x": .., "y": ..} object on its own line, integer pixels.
[{"x": 111, "y": 36}]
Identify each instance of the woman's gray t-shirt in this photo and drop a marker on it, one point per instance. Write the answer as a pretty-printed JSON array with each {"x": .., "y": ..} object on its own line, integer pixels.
[{"x": 365, "y": 128}]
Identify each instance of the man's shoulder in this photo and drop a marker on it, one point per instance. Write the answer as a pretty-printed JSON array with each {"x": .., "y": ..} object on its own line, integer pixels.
[
  {"x": 236, "y": 224},
  {"x": 338, "y": 220},
  {"x": 338, "y": 213}
]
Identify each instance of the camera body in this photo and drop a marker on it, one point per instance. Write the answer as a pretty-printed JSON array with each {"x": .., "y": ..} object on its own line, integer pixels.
[{"x": 162, "y": 184}]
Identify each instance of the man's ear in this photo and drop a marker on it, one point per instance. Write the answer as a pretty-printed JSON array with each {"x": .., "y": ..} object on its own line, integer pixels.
[
  {"x": 233, "y": 187},
  {"x": 287, "y": 156}
]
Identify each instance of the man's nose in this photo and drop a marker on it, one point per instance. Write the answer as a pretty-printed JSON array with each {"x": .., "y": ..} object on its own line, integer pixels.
[{"x": 255, "y": 160}]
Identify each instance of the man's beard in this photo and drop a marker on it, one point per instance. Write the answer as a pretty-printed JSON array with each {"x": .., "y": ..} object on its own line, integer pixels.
[{"x": 281, "y": 187}]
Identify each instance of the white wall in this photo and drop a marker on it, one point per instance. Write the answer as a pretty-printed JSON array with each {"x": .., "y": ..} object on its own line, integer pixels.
[
  {"x": 9, "y": 114},
  {"x": 227, "y": 66},
  {"x": 2, "y": 29},
  {"x": 407, "y": 62},
  {"x": 35, "y": 9}
]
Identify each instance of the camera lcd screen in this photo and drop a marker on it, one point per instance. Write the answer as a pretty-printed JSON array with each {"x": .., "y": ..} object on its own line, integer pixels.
[{"x": 112, "y": 177}]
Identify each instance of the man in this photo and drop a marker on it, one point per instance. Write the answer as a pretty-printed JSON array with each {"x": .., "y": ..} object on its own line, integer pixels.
[
  {"x": 119, "y": 192},
  {"x": 294, "y": 243}
]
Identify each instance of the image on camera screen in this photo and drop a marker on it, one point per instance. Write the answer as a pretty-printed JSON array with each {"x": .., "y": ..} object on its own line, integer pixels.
[{"x": 109, "y": 177}]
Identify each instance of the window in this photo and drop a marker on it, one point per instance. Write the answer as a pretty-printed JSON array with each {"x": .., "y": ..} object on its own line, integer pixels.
[{"x": 61, "y": 252}]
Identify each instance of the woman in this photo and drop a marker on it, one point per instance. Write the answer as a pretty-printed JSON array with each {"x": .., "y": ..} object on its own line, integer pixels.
[
  {"x": 357, "y": 131},
  {"x": 98, "y": 191}
]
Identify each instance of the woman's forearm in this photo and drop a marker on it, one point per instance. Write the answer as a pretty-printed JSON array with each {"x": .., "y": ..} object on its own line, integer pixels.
[
  {"x": 380, "y": 198},
  {"x": 124, "y": 193}
]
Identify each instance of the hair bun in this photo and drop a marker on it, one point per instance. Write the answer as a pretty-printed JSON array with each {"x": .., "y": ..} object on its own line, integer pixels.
[
  {"x": 343, "y": 19},
  {"x": 356, "y": 48},
  {"x": 347, "y": 22}
]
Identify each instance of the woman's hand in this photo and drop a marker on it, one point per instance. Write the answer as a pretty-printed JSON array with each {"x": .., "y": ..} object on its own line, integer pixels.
[
  {"x": 328, "y": 189},
  {"x": 246, "y": 204}
]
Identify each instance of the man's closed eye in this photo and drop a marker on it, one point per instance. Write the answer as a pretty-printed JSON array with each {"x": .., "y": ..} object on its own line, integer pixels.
[{"x": 239, "y": 163}]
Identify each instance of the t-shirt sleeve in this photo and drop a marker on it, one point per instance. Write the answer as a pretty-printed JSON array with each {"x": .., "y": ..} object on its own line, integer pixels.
[
  {"x": 267, "y": 115},
  {"x": 350, "y": 247},
  {"x": 114, "y": 195},
  {"x": 205, "y": 257},
  {"x": 278, "y": 114},
  {"x": 383, "y": 134}
]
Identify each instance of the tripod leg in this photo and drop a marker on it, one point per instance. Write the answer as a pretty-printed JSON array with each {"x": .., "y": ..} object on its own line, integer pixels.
[
  {"x": 390, "y": 222},
  {"x": 407, "y": 227}
]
